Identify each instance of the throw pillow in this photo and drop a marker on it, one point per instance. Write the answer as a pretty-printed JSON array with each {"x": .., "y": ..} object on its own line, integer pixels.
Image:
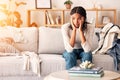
[
  {"x": 7, "y": 45},
  {"x": 50, "y": 40}
]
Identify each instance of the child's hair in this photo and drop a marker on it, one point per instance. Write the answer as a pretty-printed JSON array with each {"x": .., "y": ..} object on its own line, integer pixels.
[{"x": 80, "y": 10}]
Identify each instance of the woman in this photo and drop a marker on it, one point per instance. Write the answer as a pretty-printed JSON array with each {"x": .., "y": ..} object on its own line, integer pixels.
[{"x": 77, "y": 46}]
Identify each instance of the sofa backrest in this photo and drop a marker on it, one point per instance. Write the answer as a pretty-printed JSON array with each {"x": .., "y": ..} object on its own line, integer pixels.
[
  {"x": 26, "y": 38},
  {"x": 50, "y": 40},
  {"x": 40, "y": 40}
]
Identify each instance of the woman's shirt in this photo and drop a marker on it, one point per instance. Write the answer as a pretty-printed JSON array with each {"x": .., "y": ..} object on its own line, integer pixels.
[{"x": 66, "y": 32}]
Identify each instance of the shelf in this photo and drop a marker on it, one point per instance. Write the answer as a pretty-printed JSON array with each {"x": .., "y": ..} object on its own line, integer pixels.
[
  {"x": 53, "y": 25},
  {"x": 62, "y": 16}
]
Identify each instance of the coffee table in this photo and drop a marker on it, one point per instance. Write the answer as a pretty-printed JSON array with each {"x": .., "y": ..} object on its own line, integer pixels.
[{"x": 64, "y": 75}]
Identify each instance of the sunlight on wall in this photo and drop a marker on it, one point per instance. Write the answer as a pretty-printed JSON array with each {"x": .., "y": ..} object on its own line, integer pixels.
[
  {"x": 9, "y": 14},
  {"x": 30, "y": 4}
]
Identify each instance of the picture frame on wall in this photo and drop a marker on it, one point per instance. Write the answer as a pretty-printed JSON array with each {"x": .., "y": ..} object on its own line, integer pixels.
[
  {"x": 105, "y": 19},
  {"x": 43, "y": 4}
]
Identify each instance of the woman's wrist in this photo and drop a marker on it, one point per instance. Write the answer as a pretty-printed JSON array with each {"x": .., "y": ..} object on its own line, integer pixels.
[
  {"x": 80, "y": 31},
  {"x": 74, "y": 29}
]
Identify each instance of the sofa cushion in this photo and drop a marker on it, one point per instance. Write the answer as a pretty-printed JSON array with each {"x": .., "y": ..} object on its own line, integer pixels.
[
  {"x": 26, "y": 38},
  {"x": 50, "y": 40},
  {"x": 105, "y": 61},
  {"x": 51, "y": 63},
  {"x": 13, "y": 66},
  {"x": 54, "y": 62}
]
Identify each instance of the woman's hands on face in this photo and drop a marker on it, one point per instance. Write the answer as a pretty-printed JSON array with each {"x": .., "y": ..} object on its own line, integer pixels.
[
  {"x": 73, "y": 26},
  {"x": 81, "y": 23},
  {"x": 80, "y": 26}
]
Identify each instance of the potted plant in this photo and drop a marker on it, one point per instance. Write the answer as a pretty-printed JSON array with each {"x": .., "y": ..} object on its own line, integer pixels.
[{"x": 68, "y": 4}]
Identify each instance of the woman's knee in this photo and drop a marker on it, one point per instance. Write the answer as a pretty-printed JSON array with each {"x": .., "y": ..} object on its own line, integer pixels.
[
  {"x": 70, "y": 59},
  {"x": 87, "y": 56},
  {"x": 68, "y": 55}
]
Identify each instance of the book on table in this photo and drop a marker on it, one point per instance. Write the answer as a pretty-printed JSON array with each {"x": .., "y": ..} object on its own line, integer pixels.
[
  {"x": 87, "y": 75},
  {"x": 94, "y": 70}
]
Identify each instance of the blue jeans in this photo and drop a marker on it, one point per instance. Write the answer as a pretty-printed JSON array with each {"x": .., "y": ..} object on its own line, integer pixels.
[{"x": 71, "y": 57}]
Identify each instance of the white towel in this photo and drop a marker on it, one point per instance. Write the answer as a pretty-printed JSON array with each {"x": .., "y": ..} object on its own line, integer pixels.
[{"x": 33, "y": 60}]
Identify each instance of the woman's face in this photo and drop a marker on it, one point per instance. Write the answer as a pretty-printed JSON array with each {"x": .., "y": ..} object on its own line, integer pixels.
[{"x": 77, "y": 19}]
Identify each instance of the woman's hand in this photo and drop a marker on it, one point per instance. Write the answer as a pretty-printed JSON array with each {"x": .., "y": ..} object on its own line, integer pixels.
[
  {"x": 82, "y": 37},
  {"x": 80, "y": 26},
  {"x": 81, "y": 23},
  {"x": 73, "y": 26},
  {"x": 73, "y": 35}
]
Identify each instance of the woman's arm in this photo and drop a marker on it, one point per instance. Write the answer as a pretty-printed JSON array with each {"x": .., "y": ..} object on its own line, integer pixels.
[
  {"x": 84, "y": 43},
  {"x": 82, "y": 37},
  {"x": 66, "y": 37},
  {"x": 73, "y": 35},
  {"x": 72, "y": 38}
]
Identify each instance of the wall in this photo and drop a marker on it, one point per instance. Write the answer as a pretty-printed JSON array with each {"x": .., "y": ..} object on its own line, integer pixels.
[
  {"x": 89, "y": 3},
  {"x": 59, "y": 4},
  {"x": 12, "y": 12}
]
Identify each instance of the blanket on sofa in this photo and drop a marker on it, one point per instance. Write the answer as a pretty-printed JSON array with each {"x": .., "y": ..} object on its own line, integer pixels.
[
  {"x": 106, "y": 42},
  {"x": 115, "y": 53}
]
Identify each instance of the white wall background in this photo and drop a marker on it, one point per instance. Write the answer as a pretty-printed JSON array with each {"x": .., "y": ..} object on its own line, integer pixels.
[{"x": 60, "y": 5}]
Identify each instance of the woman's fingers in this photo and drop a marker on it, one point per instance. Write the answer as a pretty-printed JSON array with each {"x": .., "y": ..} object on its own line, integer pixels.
[{"x": 72, "y": 24}]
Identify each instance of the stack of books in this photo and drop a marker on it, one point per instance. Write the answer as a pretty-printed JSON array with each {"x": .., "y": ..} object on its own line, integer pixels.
[
  {"x": 49, "y": 18},
  {"x": 93, "y": 72}
]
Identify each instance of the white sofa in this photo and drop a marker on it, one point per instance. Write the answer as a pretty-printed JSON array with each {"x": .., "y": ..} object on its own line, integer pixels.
[
  {"x": 48, "y": 44},
  {"x": 51, "y": 48},
  {"x": 11, "y": 66}
]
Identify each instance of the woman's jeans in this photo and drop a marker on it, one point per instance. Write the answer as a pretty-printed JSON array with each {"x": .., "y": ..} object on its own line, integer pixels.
[{"x": 71, "y": 57}]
